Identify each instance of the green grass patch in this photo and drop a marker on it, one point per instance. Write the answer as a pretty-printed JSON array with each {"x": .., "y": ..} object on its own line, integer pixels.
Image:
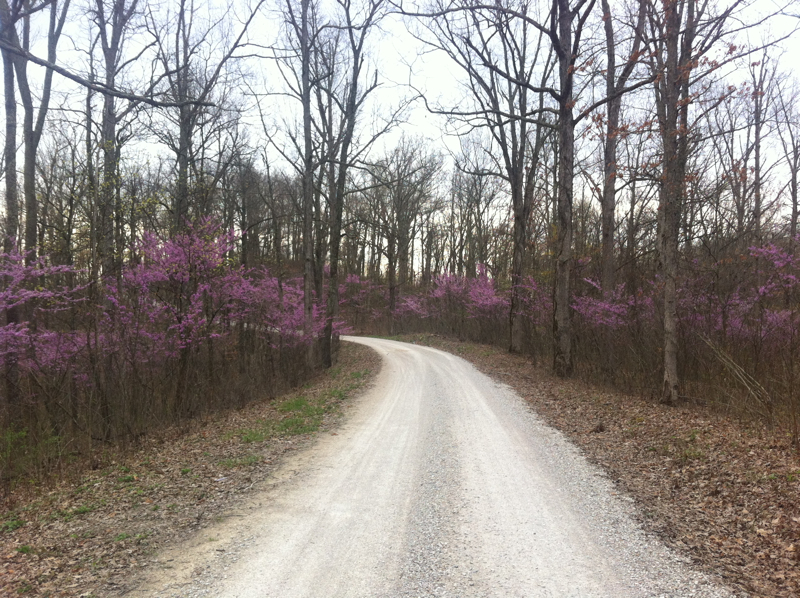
[
  {"x": 337, "y": 394},
  {"x": 121, "y": 537},
  {"x": 254, "y": 435},
  {"x": 305, "y": 417},
  {"x": 25, "y": 549},
  {"x": 240, "y": 461},
  {"x": 302, "y": 415},
  {"x": 293, "y": 404},
  {"x": 292, "y": 426},
  {"x": 125, "y": 479},
  {"x": 82, "y": 510},
  {"x": 263, "y": 430},
  {"x": 11, "y": 525}
]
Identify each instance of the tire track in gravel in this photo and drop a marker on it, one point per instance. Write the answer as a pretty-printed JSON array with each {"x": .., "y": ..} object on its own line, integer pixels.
[
  {"x": 433, "y": 565},
  {"x": 441, "y": 483}
]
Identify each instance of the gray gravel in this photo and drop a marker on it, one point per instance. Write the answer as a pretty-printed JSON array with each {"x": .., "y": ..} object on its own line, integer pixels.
[{"x": 441, "y": 483}]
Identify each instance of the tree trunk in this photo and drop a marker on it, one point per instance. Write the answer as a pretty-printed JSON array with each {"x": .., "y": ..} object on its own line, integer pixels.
[
  {"x": 29, "y": 184},
  {"x": 10, "y": 155},
  {"x": 308, "y": 180},
  {"x": 563, "y": 364},
  {"x": 29, "y": 152},
  {"x": 608, "y": 203},
  {"x": 670, "y": 207},
  {"x": 12, "y": 227},
  {"x": 337, "y": 190},
  {"x": 109, "y": 184},
  {"x": 672, "y": 88},
  {"x": 392, "y": 281},
  {"x": 759, "y": 93},
  {"x": 522, "y": 211},
  {"x": 182, "y": 185},
  {"x": 518, "y": 256},
  {"x": 793, "y": 196}
]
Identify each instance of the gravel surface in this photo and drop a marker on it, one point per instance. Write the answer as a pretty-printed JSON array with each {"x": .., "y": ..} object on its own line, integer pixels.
[{"x": 441, "y": 483}]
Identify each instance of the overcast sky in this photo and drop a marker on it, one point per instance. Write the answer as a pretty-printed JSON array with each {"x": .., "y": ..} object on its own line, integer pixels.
[{"x": 398, "y": 56}]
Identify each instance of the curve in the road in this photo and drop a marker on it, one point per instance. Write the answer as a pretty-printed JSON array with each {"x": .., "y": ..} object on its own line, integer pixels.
[{"x": 443, "y": 483}]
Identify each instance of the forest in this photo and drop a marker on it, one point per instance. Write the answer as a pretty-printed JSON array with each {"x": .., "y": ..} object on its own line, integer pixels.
[{"x": 200, "y": 199}]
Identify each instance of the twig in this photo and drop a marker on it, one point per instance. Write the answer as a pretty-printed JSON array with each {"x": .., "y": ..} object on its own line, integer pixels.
[{"x": 752, "y": 385}]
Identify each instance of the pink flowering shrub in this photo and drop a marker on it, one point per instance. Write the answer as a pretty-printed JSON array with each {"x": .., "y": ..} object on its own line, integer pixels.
[
  {"x": 184, "y": 330},
  {"x": 360, "y": 302},
  {"x": 38, "y": 291},
  {"x": 609, "y": 312},
  {"x": 186, "y": 292},
  {"x": 465, "y": 307}
]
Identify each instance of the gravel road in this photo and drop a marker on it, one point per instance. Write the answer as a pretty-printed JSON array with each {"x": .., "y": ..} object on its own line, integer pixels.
[{"x": 440, "y": 483}]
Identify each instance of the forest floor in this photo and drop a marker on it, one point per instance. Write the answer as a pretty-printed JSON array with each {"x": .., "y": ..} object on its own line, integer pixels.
[
  {"x": 723, "y": 491},
  {"x": 89, "y": 532}
]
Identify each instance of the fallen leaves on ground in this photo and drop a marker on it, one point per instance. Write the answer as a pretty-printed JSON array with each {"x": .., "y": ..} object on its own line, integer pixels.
[
  {"x": 725, "y": 492},
  {"x": 89, "y": 534}
]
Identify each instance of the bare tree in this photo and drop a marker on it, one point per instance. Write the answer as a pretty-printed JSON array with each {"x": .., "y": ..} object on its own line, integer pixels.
[
  {"x": 474, "y": 192},
  {"x": 33, "y": 121},
  {"x": 61, "y": 182},
  {"x": 615, "y": 83},
  {"x": 681, "y": 33},
  {"x": 402, "y": 186},
  {"x": 188, "y": 82},
  {"x": 733, "y": 148},
  {"x": 342, "y": 98},
  {"x": 566, "y": 29},
  {"x": 113, "y": 19},
  {"x": 301, "y": 33},
  {"x": 762, "y": 80},
  {"x": 787, "y": 116},
  {"x": 501, "y": 51}
]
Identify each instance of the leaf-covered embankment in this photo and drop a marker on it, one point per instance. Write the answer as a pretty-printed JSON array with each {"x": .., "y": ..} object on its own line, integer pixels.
[{"x": 89, "y": 534}]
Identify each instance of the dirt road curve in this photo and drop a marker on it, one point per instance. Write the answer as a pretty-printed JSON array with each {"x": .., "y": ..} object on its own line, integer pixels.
[{"x": 441, "y": 483}]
